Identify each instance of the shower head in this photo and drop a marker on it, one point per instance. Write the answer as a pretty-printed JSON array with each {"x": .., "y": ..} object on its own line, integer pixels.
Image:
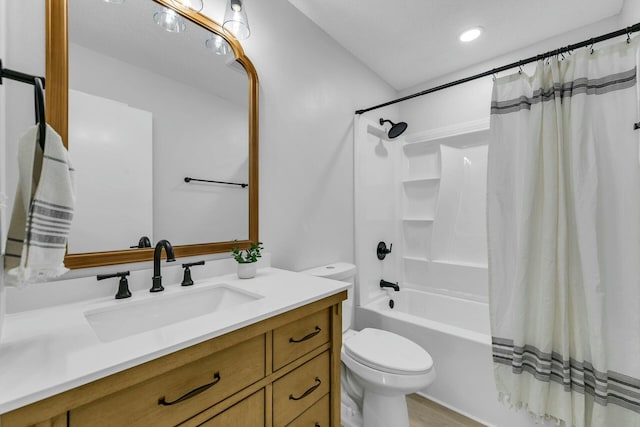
[{"x": 396, "y": 128}]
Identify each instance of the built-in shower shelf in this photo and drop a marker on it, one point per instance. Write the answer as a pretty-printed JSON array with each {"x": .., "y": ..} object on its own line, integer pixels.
[
  {"x": 421, "y": 180},
  {"x": 417, "y": 219}
]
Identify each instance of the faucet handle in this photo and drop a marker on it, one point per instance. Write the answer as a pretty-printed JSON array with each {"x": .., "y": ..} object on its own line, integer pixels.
[
  {"x": 144, "y": 242},
  {"x": 382, "y": 251},
  {"x": 123, "y": 287},
  {"x": 186, "y": 280}
]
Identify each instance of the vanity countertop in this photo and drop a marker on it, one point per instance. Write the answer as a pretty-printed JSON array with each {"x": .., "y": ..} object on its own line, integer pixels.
[{"x": 48, "y": 351}]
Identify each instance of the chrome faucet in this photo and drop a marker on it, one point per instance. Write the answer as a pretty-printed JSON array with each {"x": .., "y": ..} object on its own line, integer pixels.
[{"x": 157, "y": 278}]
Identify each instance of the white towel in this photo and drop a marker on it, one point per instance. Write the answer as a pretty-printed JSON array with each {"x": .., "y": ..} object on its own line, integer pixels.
[{"x": 42, "y": 212}]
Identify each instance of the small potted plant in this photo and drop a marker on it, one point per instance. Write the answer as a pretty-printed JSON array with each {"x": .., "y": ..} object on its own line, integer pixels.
[{"x": 247, "y": 259}]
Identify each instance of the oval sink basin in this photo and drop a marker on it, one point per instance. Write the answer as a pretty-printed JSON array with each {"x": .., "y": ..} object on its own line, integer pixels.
[{"x": 130, "y": 317}]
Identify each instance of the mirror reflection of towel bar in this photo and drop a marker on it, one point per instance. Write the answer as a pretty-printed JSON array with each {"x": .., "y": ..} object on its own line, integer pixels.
[{"x": 239, "y": 184}]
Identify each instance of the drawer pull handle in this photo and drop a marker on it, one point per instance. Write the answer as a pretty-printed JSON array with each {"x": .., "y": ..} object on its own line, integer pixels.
[
  {"x": 192, "y": 393},
  {"x": 308, "y": 392},
  {"x": 308, "y": 336}
]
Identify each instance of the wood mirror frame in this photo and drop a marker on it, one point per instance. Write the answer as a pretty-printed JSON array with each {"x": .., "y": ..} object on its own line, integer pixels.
[{"x": 57, "y": 104}]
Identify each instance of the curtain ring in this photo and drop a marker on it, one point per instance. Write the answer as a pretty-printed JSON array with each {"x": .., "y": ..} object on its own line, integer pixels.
[
  {"x": 520, "y": 67},
  {"x": 628, "y": 35},
  {"x": 493, "y": 75},
  {"x": 591, "y": 47}
]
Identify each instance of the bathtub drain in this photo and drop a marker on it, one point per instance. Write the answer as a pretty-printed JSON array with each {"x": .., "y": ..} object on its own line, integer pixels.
[{"x": 391, "y": 303}]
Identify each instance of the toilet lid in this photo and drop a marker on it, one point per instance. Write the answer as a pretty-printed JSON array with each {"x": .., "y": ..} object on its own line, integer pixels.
[{"x": 388, "y": 352}]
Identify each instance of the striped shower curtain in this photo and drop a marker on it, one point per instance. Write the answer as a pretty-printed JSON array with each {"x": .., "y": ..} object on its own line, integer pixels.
[{"x": 564, "y": 238}]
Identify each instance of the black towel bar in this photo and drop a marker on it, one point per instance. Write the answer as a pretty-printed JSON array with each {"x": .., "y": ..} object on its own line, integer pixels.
[{"x": 239, "y": 184}]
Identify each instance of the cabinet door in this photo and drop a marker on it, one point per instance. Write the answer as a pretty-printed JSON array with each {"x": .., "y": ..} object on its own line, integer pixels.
[{"x": 246, "y": 413}]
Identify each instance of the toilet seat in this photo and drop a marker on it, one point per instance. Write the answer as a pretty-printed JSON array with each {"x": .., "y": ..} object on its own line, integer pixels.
[{"x": 387, "y": 352}]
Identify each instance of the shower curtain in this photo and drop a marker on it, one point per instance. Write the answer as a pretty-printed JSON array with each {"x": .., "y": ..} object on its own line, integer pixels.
[{"x": 564, "y": 238}]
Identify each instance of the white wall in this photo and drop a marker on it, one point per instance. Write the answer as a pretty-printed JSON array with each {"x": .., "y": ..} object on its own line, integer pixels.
[
  {"x": 630, "y": 14},
  {"x": 309, "y": 90}
]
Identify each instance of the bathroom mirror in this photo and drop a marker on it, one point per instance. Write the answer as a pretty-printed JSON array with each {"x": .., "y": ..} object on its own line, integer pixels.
[{"x": 140, "y": 109}]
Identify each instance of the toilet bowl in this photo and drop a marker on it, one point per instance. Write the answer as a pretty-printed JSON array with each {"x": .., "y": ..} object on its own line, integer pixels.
[{"x": 379, "y": 368}]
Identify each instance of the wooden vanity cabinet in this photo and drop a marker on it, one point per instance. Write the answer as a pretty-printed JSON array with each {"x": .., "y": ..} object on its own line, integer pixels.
[
  {"x": 283, "y": 371},
  {"x": 248, "y": 412}
]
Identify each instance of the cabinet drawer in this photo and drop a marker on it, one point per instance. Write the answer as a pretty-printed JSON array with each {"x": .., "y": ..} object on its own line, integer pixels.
[
  {"x": 316, "y": 416},
  {"x": 300, "y": 337},
  {"x": 246, "y": 413},
  {"x": 184, "y": 390},
  {"x": 300, "y": 389}
]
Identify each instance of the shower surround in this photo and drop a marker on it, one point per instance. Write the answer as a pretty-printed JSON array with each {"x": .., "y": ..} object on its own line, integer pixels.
[{"x": 425, "y": 193}]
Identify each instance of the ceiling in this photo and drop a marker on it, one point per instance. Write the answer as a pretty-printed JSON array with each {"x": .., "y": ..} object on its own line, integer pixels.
[{"x": 408, "y": 42}]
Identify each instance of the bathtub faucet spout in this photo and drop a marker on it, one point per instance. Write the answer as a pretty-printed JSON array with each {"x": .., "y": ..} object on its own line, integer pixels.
[{"x": 385, "y": 284}]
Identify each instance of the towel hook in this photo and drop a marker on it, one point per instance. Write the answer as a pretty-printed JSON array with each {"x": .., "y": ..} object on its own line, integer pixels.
[{"x": 38, "y": 93}]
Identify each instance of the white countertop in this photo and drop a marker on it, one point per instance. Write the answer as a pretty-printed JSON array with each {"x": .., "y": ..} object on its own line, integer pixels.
[{"x": 51, "y": 350}]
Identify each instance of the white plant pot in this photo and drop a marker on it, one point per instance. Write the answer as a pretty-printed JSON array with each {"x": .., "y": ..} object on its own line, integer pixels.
[{"x": 247, "y": 270}]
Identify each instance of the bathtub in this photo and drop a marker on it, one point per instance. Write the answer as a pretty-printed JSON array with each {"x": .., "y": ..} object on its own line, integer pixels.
[{"x": 456, "y": 333}]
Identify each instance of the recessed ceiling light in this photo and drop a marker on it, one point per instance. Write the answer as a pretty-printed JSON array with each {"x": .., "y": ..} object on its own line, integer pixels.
[{"x": 471, "y": 34}]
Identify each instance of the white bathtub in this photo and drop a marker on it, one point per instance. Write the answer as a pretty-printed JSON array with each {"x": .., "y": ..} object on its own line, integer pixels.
[{"x": 456, "y": 333}]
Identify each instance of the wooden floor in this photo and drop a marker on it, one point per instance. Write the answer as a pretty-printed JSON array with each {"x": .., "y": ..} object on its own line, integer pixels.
[{"x": 425, "y": 413}]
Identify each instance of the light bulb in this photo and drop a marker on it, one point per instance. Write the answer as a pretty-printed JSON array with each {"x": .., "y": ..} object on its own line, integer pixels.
[
  {"x": 218, "y": 45},
  {"x": 235, "y": 20},
  {"x": 169, "y": 20}
]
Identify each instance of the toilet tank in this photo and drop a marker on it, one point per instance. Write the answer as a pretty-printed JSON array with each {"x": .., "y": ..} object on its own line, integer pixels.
[{"x": 344, "y": 272}]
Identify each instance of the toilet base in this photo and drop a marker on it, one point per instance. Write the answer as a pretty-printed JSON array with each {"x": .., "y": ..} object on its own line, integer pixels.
[
  {"x": 383, "y": 410},
  {"x": 350, "y": 417}
]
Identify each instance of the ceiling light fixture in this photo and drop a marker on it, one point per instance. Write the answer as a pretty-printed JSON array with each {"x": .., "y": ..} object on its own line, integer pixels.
[
  {"x": 195, "y": 5},
  {"x": 471, "y": 34},
  {"x": 235, "y": 20},
  {"x": 169, "y": 20},
  {"x": 218, "y": 45}
]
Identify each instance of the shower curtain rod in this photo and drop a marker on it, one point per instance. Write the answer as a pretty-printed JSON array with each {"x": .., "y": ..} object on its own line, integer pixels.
[{"x": 589, "y": 42}]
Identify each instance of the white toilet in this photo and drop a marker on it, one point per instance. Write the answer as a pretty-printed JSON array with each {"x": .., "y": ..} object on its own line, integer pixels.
[{"x": 379, "y": 368}]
